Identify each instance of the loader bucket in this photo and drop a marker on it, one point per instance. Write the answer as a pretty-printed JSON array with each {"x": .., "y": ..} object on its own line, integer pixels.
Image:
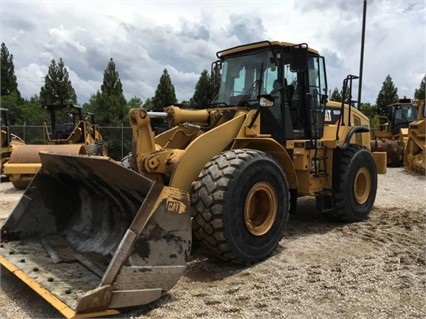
[{"x": 91, "y": 236}]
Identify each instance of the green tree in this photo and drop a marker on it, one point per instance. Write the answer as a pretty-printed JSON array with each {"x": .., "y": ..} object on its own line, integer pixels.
[
  {"x": 13, "y": 103},
  {"x": 336, "y": 96},
  {"x": 419, "y": 93},
  {"x": 9, "y": 84},
  {"x": 111, "y": 109},
  {"x": 148, "y": 105},
  {"x": 57, "y": 89},
  {"x": 111, "y": 84},
  {"x": 387, "y": 95},
  {"x": 134, "y": 102},
  {"x": 33, "y": 112},
  {"x": 26, "y": 115},
  {"x": 109, "y": 104},
  {"x": 10, "y": 96},
  {"x": 165, "y": 93},
  {"x": 204, "y": 92},
  {"x": 347, "y": 96},
  {"x": 369, "y": 110}
]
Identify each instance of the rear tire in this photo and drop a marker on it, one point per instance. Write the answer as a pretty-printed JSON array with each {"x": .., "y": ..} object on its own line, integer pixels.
[
  {"x": 99, "y": 148},
  {"x": 357, "y": 185},
  {"x": 18, "y": 184},
  {"x": 241, "y": 204},
  {"x": 128, "y": 161}
]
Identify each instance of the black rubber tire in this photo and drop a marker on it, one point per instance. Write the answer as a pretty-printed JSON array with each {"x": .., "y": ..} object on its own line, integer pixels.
[
  {"x": 128, "y": 161},
  {"x": 99, "y": 148},
  {"x": 356, "y": 188},
  {"x": 18, "y": 184},
  {"x": 233, "y": 184}
]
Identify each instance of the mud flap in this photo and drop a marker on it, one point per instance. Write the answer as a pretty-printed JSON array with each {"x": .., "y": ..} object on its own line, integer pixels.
[{"x": 90, "y": 236}]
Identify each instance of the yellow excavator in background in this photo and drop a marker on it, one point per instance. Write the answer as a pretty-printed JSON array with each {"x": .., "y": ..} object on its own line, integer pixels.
[
  {"x": 91, "y": 236},
  {"x": 8, "y": 141},
  {"x": 415, "y": 144},
  {"x": 72, "y": 132},
  {"x": 390, "y": 134}
]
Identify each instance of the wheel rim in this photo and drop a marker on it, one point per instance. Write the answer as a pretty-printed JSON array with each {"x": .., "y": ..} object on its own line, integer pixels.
[
  {"x": 362, "y": 185},
  {"x": 260, "y": 208}
]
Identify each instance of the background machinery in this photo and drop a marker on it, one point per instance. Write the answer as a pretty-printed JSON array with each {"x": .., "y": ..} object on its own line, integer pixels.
[
  {"x": 415, "y": 142},
  {"x": 390, "y": 134},
  {"x": 8, "y": 141},
  {"x": 72, "y": 132},
  {"x": 103, "y": 237}
]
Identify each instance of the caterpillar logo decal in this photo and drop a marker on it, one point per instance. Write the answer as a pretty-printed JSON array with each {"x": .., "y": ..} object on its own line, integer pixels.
[{"x": 173, "y": 206}]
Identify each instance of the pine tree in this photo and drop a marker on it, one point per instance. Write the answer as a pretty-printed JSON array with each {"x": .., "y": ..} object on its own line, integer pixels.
[
  {"x": 204, "y": 92},
  {"x": 112, "y": 93},
  {"x": 347, "y": 98},
  {"x": 336, "y": 96},
  {"x": 9, "y": 84},
  {"x": 134, "y": 102},
  {"x": 111, "y": 84},
  {"x": 109, "y": 104},
  {"x": 148, "y": 104},
  {"x": 57, "y": 89},
  {"x": 387, "y": 95},
  {"x": 419, "y": 93},
  {"x": 165, "y": 93},
  {"x": 10, "y": 97}
]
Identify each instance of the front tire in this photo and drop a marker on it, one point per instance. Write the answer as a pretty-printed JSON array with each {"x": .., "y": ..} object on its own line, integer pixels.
[
  {"x": 356, "y": 188},
  {"x": 241, "y": 204}
]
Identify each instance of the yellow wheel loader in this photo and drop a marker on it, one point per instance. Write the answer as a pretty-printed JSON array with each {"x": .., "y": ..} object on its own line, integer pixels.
[
  {"x": 72, "y": 132},
  {"x": 390, "y": 135},
  {"x": 8, "y": 141},
  {"x": 415, "y": 145},
  {"x": 91, "y": 236}
]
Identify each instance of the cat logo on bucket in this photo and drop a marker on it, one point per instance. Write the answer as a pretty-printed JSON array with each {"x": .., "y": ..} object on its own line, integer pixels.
[{"x": 173, "y": 207}]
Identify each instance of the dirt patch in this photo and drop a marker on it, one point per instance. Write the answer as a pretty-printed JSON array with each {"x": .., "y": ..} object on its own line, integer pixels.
[{"x": 371, "y": 269}]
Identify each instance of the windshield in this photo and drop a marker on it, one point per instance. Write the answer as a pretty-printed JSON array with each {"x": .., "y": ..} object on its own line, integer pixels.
[
  {"x": 244, "y": 77},
  {"x": 406, "y": 113}
]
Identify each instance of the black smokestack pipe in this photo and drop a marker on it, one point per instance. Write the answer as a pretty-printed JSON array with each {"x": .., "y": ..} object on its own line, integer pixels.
[{"x": 362, "y": 53}]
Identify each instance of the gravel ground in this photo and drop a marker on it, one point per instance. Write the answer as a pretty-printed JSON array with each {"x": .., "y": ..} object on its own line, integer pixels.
[{"x": 372, "y": 269}]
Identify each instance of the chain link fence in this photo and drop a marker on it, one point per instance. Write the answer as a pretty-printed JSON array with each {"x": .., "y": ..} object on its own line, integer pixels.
[{"x": 118, "y": 138}]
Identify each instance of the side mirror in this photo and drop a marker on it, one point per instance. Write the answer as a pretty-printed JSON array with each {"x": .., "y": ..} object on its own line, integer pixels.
[{"x": 266, "y": 100}]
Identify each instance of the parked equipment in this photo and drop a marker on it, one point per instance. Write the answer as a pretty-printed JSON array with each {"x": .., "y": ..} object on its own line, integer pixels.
[
  {"x": 391, "y": 132},
  {"x": 415, "y": 149},
  {"x": 8, "y": 141},
  {"x": 96, "y": 236},
  {"x": 72, "y": 132}
]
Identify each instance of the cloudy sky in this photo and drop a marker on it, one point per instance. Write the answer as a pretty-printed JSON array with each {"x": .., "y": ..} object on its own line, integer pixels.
[{"x": 144, "y": 37}]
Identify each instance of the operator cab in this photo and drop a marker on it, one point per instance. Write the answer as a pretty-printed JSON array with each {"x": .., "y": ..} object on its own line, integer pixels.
[
  {"x": 66, "y": 119},
  {"x": 401, "y": 114},
  {"x": 293, "y": 75}
]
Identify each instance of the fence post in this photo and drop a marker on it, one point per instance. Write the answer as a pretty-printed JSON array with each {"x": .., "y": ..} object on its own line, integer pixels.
[
  {"x": 122, "y": 140},
  {"x": 23, "y": 133}
]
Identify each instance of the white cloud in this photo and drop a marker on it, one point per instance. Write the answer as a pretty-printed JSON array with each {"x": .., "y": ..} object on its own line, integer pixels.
[
  {"x": 144, "y": 37},
  {"x": 63, "y": 37},
  {"x": 31, "y": 78}
]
